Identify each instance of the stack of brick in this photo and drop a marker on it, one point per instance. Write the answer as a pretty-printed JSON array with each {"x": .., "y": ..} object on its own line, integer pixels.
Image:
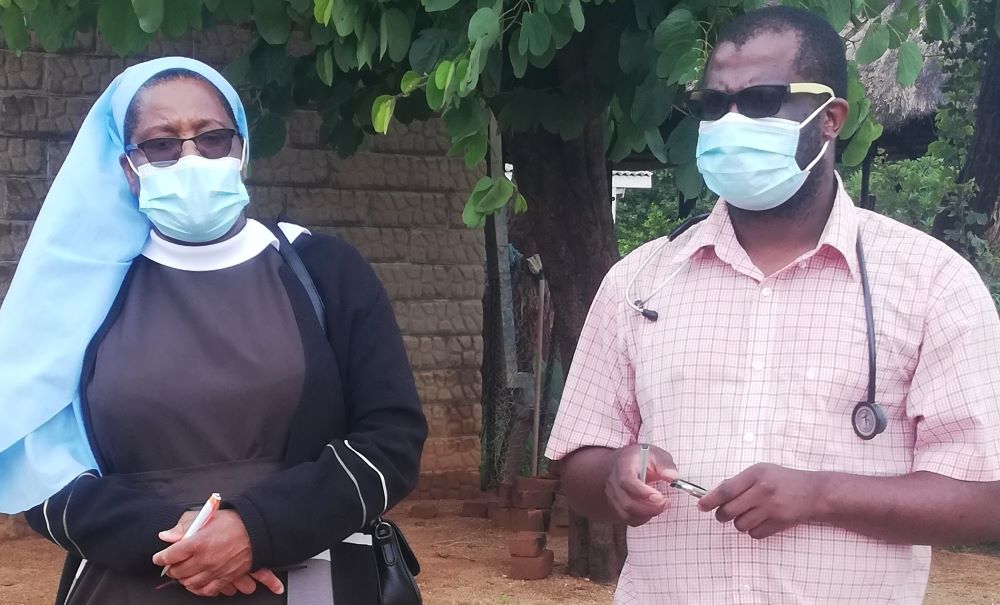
[{"x": 531, "y": 502}]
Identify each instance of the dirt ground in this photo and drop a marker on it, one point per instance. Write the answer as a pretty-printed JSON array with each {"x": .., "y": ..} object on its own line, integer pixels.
[{"x": 465, "y": 563}]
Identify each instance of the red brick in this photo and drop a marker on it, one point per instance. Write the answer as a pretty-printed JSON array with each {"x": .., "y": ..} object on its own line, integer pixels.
[
  {"x": 532, "y": 499},
  {"x": 537, "y": 484},
  {"x": 500, "y": 515},
  {"x": 424, "y": 510},
  {"x": 528, "y": 520},
  {"x": 476, "y": 509},
  {"x": 526, "y": 544},
  {"x": 506, "y": 492},
  {"x": 560, "y": 517},
  {"x": 560, "y": 501},
  {"x": 558, "y": 531},
  {"x": 532, "y": 568}
]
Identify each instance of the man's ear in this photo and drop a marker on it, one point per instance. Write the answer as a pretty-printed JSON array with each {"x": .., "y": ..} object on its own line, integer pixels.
[
  {"x": 834, "y": 118},
  {"x": 130, "y": 175}
]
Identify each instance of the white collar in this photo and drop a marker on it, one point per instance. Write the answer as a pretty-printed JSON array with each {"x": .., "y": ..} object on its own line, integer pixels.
[{"x": 252, "y": 239}]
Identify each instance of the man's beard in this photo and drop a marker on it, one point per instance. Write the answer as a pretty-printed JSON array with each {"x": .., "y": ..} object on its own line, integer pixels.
[{"x": 801, "y": 204}]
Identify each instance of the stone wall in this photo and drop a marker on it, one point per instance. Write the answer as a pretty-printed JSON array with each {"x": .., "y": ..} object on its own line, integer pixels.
[{"x": 399, "y": 200}]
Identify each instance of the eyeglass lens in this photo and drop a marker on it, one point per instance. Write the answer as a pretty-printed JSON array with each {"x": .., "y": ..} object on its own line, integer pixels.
[{"x": 754, "y": 102}]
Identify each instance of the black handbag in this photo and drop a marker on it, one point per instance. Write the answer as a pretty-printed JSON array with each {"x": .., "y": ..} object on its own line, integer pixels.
[{"x": 383, "y": 573}]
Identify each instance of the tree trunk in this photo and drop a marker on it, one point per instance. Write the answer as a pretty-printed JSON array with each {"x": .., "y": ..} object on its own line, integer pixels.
[
  {"x": 569, "y": 209},
  {"x": 984, "y": 156}
]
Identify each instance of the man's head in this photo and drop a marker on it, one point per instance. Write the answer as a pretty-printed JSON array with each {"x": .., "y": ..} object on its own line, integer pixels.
[{"x": 781, "y": 45}]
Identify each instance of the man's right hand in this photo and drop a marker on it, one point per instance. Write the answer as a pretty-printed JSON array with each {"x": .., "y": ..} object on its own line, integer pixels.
[{"x": 632, "y": 500}]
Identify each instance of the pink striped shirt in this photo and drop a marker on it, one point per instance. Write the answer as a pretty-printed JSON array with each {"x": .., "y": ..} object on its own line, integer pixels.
[{"x": 740, "y": 369}]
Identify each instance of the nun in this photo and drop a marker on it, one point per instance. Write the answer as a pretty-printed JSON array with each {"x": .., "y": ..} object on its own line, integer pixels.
[{"x": 156, "y": 347}]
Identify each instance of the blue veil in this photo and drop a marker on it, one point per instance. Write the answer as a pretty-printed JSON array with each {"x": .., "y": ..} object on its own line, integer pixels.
[{"x": 87, "y": 234}]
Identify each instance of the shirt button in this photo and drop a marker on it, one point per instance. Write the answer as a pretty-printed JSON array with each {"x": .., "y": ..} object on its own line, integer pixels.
[
  {"x": 765, "y": 292},
  {"x": 749, "y": 437},
  {"x": 758, "y": 364},
  {"x": 745, "y": 588}
]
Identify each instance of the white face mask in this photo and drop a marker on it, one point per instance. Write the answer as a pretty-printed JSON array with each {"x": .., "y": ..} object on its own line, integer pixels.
[
  {"x": 194, "y": 200},
  {"x": 751, "y": 162}
]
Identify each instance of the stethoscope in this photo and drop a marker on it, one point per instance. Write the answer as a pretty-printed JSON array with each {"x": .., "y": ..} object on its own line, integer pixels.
[{"x": 868, "y": 418}]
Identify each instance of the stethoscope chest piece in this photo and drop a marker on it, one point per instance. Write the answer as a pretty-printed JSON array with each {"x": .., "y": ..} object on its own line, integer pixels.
[{"x": 868, "y": 420}]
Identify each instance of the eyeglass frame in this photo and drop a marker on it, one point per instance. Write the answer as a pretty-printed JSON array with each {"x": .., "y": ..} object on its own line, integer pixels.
[
  {"x": 138, "y": 146},
  {"x": 790, "y": 89}
]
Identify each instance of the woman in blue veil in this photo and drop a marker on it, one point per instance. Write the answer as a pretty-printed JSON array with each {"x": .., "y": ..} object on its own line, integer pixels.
[{"x": 155, "y": 347}]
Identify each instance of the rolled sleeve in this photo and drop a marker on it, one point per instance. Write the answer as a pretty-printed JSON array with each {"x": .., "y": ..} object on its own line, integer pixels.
[
  {"x": 598, "y": 406},
  {"x": 955, "y": 393}
]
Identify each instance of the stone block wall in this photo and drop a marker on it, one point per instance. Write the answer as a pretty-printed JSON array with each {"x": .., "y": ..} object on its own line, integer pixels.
[{"x": 398, "y": 200}]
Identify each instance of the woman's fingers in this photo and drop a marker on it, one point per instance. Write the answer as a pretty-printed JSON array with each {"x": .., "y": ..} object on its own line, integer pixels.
[{"x": 269, "y": 580}]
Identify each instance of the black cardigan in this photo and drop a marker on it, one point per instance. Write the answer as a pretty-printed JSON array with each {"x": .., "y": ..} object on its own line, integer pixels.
[{"x": 359, "y": 393}]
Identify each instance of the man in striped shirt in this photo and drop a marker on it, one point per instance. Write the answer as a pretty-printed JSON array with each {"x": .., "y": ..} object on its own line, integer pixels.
[{"x": 739, "y": 352}]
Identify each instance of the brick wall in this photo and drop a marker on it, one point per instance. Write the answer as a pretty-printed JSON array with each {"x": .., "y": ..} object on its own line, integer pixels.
[{"x": 399, "y": 200}]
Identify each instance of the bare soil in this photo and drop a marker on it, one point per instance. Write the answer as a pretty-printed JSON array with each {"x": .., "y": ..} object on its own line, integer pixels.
[{"x": 465, "y": 563}]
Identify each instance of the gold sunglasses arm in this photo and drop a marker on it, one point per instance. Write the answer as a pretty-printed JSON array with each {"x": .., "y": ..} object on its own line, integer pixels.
[{"x": 811, "y": 88}]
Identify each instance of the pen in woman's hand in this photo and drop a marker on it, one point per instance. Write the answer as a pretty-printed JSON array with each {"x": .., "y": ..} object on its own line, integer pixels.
[{"x": 211, "y": 505}]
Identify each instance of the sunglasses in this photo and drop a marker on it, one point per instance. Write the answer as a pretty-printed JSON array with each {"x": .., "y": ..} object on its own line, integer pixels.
[
  {"x": 165, "y": 151},
  {"x": 762, "y": 101}
]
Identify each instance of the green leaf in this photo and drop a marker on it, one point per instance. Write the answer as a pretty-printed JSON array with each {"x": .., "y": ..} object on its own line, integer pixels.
[
  {"x": 14, "y": 30},
  {"x": 443, "y": 74},
  {"x": 235, "y": 10},
  {"x": 344, "y": 17},
  {"x": 301, "y": 6},
  {"x": 367, "y": 45},
  {"x": 538, "y": 29},
  {"x": 345, "y": 54},
  {"x": 838, "y": 12},
  {"x": 957, "y": 10},
  {"x": 484, "y": 25},
  {"x": 118, "y": 25},
  {"x": 687, "y": 67},
  {"x": 654, "y": 141},
  {"x": 909, "y": 64},
  {"x": 435, "y": 94},
  {"x": 682, "y": 141},
  {"x": 937, "y": 22},
  {"x": 411, "y": 82},
  {"x": 382, "y": 110},
  {"x": 471, "y": 216},
  {"x": 238, "y": 71},
  {"x": 520, "y": 204},
  {"x": 562, "y": 28},
  {"x": 27, "y": 6},
  {"x": 272, "y": 21},
  {"x": 635, "y": 51},
  {"x": 874, "y": 44},
  {"x": 653, "y": 101},
  {"x": 396, "y": 33},
  {"x": 678, "y": 24},
  {"x": 496, "y": 197},
  {"x": 438, "y": 5},
  {"x": 427, "y": 50},
  {"x": 518, "y": 59},
  {"x": 551, "y": 6},
  {"x": 321, "y": 35},
  {"x": 576, "y": 11},
  {"x": 5, "y": 3},
  {"x": 268, "y": 132},
  {"x": 324, "y": 66},
  {"x": 857, "y": 149},
  {"x": 689, "y": 180},
  {"x": 860, "y": 111},
  {"x": 150, "y": 13},
  {"x": 323, "y": 11}
]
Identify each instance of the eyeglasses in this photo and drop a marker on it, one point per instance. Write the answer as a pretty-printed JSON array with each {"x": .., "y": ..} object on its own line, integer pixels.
[
  {"x": 165, "y": 151},
  {"x": 762, "y": 101}
]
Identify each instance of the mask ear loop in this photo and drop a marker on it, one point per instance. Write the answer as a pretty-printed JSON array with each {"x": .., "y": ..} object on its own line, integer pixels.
[{"x": 826, "y": 144}]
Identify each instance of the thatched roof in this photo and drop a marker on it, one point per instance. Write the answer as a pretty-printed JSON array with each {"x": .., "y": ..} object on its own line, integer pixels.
[{"x": 892, "y": 104}]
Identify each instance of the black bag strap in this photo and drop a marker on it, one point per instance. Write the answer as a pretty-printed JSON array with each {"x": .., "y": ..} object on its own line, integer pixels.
[{"x": 295, "y": 263}]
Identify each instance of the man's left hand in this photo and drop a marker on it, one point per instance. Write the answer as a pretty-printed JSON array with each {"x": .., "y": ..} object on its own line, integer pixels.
[{"x": 766, "y": 499}]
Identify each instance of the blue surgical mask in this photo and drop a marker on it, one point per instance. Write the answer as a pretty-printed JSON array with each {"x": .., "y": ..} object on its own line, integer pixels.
[
  {"x": 194, "y": 200},
  {"x": 750, "y": 162}
]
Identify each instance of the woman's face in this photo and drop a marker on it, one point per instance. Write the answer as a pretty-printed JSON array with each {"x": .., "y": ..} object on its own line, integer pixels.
[{"x": 180, "y": 108}]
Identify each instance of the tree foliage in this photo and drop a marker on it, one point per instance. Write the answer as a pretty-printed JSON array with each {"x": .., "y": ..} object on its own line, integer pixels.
[{"x": 369, "y": 61}]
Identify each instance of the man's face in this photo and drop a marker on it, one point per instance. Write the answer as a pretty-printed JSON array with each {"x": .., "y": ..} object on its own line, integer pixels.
[{"x": 769, "y": 58}]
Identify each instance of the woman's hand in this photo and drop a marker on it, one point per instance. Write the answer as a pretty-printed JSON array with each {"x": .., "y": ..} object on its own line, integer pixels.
[{"x": 216, "y": 560}]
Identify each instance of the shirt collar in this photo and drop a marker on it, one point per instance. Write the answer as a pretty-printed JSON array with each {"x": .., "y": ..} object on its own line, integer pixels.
[{"x": 716, "y": 233}]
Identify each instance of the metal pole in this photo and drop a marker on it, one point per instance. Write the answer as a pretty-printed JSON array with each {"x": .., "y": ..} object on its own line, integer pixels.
[{"x": 539, "y": 342}]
